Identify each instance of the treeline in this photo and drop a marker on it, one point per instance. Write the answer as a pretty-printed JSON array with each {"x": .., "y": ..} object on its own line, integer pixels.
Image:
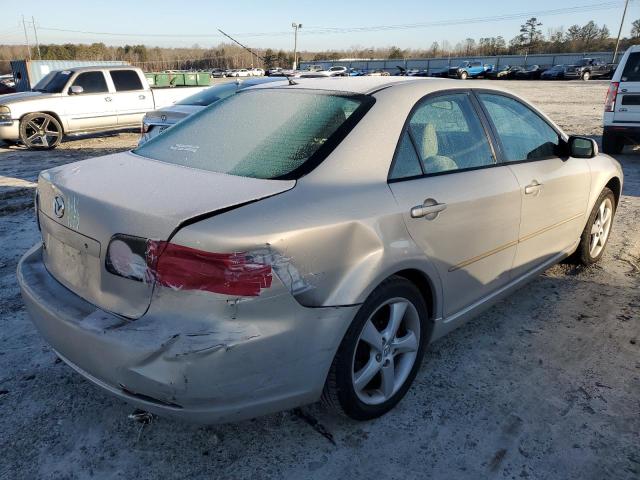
[{"x": 530, "y": 40}]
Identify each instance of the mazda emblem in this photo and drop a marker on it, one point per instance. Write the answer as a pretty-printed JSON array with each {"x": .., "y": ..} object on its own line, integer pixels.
[
  {"x": 58, "y": 206},
  {"x": 163, "y": 118}
]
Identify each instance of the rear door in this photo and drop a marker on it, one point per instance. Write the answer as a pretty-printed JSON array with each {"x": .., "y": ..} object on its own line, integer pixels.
[
  {"x": 554, "y": 190},
  {"x": 132, "y": 100},
  {"x": 459, "y": 205},
  {"x": 627, "y": 107},
  {"x": 93, "y": 108}
]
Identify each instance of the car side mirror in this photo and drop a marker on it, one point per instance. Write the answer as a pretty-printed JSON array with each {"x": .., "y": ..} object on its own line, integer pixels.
[
  {"x": 75, "y": 90},
  {"x": 581, "y": 147}
]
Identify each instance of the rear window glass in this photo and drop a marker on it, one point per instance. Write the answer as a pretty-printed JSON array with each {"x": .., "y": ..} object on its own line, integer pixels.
[
  {"x": 125, "y": 80},
  {"x": 210, "y": 95},
  {"x": 631, "y": 72},
  {"x": 265, "y": 134}
]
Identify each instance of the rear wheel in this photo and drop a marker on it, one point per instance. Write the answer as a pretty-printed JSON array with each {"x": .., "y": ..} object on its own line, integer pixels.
[
  {"x": 596, "y": 232},
  {"x": 40, "y": 131},
  {"x": 611, "y": 143},
  {"x": 380, "y": 353}
]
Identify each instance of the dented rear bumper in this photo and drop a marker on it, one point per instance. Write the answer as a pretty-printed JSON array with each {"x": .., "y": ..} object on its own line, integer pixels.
[{"x": 193, "y": 355}]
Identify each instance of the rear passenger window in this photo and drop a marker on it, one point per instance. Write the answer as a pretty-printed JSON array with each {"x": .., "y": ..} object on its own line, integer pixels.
[
  {"x": 523, "y": 134},
  {"x": 125, "y": 80},
  {"x": 631, "y": 72},
  {"x": 448, "y": 135},
  {"x": 407, "y": 163},
  {"x": 91, "y": 82}
]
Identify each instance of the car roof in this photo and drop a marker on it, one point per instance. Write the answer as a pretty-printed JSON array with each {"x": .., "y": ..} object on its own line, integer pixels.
[{"x": 357, "y": 85}]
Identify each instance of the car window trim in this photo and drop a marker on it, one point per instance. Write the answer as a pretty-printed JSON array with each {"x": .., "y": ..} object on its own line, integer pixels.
[
  {"x": 502, "y": 159},
  {"x": 480, "y": 115}
]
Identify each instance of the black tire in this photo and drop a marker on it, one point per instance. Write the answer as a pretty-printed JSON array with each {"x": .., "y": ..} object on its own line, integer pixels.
[
  {"x": 611, "y": 143},
  {"x": 339, "y": 392},
  {"x": 463, "y": 75},
  {"x": 40, "y": 131},
  {"x": 583, "y": 253}
]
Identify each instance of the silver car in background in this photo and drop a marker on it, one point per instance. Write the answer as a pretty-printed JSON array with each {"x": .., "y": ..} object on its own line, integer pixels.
[
  {"x": 306, "y": 241},
  {"x": 156, "y": 122}
]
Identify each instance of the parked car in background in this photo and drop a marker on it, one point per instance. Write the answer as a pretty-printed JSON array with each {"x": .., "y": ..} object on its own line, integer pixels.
[
  {"x": 160, "y": 120},
  {"x": 506, "y": 72},
  {"x": 440, "y": 72},
  {"x": 199, "y": 276},
  {"x": 355, "y": 72},
  {"x": 554, "y": 73},
  {"x": 532, "y": 72},
  {"x": 80, "y": 100},
  {"x": 622, "y": 104},
  {"x": 377, "y": 73},
  {"x": 218, "y": 73},
  {"x": 337, "y": 71},
  {"x": 256, "y": 72},
  {"x": 274, "y": 71},
  {"x": 472, "y": 69},
  {"x": 240, "y": 72},
  {"x": 4, "y": 89},
  {"x": 589, "y": 68}
]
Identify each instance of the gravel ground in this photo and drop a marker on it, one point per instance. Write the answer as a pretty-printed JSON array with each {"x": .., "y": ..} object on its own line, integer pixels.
[{"x": 544, "y": 385}]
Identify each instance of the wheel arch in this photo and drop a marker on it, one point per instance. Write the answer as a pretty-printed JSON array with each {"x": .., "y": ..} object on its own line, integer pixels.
[
  {"x": 53, "y": 114},
  {"x": 615, "y": 186}
]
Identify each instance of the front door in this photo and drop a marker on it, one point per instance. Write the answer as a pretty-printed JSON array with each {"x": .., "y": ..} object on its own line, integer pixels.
[
  {"x": 459, "y": 206},
  {"x": 93, "y": 109},
  {"x": 554, "y": 190}
]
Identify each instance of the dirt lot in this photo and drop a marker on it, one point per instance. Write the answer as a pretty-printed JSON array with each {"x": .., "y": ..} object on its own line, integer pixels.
[{"x": 544, "y": 385}]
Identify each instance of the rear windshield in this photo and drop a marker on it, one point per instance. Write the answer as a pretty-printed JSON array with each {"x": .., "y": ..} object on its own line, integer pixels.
[
  {"x": 210, "y": 95},
  {"x": 266, "y": 133},
  {"x": 631, "y": 72}
]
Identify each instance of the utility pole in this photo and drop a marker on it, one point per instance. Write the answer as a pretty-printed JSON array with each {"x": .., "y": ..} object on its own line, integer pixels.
[
  {"x": 35, "y": 33},
  {"x": 624, "y": 13},
  {"x": 295, "y": 26},
  {"x": 26, "y": 37}
]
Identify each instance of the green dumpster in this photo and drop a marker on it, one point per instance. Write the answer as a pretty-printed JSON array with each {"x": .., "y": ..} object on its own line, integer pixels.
[
  {"x": 162, "y": 80},
  {"x": 176, "y": 80},
  {"x": 204, "y": 79},
  {"x": 151, "y": 79}
]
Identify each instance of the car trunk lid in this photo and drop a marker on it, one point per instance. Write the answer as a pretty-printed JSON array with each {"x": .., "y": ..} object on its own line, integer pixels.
[{"x": 83, "y": 205}]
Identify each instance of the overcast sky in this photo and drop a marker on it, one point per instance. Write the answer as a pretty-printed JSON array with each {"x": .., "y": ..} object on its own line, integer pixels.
[{"x": 268, "y": 23}]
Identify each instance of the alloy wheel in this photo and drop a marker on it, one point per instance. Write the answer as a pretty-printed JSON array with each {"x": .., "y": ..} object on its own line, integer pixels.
[
  {"x": 601, "y": 228},
  {"x": 386, "y": 351},
  {"x": 41, "y": 132}
]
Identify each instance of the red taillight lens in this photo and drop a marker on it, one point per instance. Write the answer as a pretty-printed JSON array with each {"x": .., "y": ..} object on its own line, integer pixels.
[
  {"x": 612, "y": 93},
  {"x": 185, "y": 268}
]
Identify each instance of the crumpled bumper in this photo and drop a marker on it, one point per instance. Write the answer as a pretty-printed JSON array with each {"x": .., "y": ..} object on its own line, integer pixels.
[{"x": 229, "y": 361}]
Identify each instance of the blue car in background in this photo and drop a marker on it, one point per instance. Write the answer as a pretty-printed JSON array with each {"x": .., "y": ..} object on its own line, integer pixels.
[{"x": 470, "y": 69}]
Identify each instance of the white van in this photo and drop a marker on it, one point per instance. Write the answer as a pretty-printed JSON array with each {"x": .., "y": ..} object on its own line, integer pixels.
[{"x": 622, "y": 106}]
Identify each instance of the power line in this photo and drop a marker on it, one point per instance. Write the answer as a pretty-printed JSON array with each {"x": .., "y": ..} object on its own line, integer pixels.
[{"x": 319, "y": 30}]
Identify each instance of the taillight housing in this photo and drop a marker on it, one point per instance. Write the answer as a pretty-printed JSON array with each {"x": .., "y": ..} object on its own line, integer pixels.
[
  {"x": 186, "y": 268},
  {"x": 612, "y": 93}
]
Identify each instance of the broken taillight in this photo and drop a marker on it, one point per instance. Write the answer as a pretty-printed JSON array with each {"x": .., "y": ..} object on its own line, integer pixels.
[
  {"x": 612, "y": 93},
  {"x": 185, "y": 268}
]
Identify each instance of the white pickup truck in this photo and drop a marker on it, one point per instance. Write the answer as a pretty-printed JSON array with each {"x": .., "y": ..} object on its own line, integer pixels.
[{"x": 81, "y": 100}]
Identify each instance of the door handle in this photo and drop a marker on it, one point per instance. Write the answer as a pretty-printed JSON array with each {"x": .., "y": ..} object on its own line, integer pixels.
[
  {"x": 141, "y": 97},
  {"x": 533, "y": 188},
  {"x": 107, "y": 99},
  {"x": 429, "y": 209}
]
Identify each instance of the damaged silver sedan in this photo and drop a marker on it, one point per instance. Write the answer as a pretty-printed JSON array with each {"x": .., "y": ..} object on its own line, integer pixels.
[{"x": 306, "y": 241}]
